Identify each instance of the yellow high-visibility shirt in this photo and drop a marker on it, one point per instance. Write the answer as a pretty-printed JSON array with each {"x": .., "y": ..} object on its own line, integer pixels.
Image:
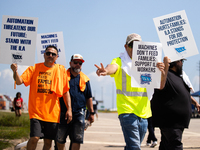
[{"x": 130, "y": 99}]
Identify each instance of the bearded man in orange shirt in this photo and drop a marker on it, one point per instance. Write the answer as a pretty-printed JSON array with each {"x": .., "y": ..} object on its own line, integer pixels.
[{"x": 48, "y": 82}]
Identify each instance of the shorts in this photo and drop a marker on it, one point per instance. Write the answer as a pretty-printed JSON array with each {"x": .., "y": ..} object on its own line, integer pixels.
[
  {"x": 17, "y": 108},
  {"x": 42, "y": 129},
  {"x": 96, "y": 111},
  {"x": 75, "y": 129}
]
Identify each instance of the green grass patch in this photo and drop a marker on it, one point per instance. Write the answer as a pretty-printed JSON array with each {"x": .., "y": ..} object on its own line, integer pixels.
[
  {"x": 4, "y": 144},
  {"x": 12, "y": 127},
  {"x": 14, "y": 132}
]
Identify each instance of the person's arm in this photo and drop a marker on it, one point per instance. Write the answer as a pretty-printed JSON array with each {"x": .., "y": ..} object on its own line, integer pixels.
[
  {"x": 110, "y": 69},
  {"x": 13, "y": 104},
  {"x": 196, "y": 104},
  {"x": 163, "y": 67},
  {"x": 22, "y": 106},
  {"x": 91, "y": 110},
  {"x": 16, "y": 76},
  {"x": 67, "y": 100}
]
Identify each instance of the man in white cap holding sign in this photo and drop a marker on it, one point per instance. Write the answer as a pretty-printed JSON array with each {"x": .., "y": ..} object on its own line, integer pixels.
[
  {"x": 81, "y": 96},
  {"x": 133, "y": 105}
]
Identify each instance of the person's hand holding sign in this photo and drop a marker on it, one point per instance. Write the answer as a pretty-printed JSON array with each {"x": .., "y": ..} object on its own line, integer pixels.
[
  {"x": 163, "y": 67},
  {"x": 16, "y": 76},
  {"x": 14, "y": 67}
]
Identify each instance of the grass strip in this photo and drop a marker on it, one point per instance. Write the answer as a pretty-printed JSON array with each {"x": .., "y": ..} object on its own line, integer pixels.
[{"x": 12, "y": 127}]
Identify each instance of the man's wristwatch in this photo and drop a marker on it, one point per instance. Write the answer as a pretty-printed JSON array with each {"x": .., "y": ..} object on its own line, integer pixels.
[{"x": 92, "y": 113}]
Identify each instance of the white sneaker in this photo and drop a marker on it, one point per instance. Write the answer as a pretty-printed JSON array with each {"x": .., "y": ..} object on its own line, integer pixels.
[
  {"x": 153, "y": 144},
  {"x": 148, "y": 144}
]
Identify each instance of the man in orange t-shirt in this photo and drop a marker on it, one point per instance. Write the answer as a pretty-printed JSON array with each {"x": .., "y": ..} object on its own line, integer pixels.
[{"x": 48, "y": 82}]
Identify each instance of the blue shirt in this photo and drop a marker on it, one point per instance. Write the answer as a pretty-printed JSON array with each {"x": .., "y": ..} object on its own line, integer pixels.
[{"x": 78, "y": 98}]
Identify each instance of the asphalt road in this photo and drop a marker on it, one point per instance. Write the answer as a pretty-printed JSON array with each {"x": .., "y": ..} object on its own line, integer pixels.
[{"x": 105, "y": 134}]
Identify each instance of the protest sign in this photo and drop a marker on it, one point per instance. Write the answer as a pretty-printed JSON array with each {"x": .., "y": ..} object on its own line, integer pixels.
[
  {"x": 175, "y": 35},
  {"x": 18, "y": 40},
  {"x": 55, "y": 39},
  {"x": 144, "y": 59}
]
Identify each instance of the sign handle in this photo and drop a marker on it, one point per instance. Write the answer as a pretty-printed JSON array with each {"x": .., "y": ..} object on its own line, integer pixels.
[{"x": 15, "y": 80}]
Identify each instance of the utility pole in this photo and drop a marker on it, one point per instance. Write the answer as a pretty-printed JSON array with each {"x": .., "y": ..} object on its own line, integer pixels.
[
  {"x": 102, "y": 97},
  {"x": 199, "y": 79},
  {"x": 113, "y": 95},
  {"x": 102, "y": 93}
]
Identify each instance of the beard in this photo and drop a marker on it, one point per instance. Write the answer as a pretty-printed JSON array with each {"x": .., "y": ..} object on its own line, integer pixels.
[
  {"x": 179, "y": 69},
  {"x": 77, "y": 70}
]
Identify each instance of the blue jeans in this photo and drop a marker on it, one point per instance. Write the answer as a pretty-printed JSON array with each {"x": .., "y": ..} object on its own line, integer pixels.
[
  {"x": 134, "y": 129},
  {"x": 75, "y": 129}
]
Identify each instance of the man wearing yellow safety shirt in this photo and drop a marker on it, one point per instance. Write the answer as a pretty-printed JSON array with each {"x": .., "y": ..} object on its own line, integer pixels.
[{"x": 133, "y": 105}]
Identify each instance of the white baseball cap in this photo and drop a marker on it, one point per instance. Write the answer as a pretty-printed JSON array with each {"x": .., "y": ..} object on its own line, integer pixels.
[
  {"x": 133, "y": 37},
  {"x": 77, "y": 57}
]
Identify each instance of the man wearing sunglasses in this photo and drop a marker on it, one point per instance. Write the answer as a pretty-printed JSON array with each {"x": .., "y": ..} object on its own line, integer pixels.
[
  {"x": 81, "y": 96},
  {"x": 48, "y": 81},
  {"x": 133, "y": 106}
]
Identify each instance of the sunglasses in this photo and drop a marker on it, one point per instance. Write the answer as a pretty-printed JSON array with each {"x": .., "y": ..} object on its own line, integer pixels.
[
  {"x": 53, "y": 54},
  {"x": 130, "y": 45},
  {"x": 78, "y": 62}
]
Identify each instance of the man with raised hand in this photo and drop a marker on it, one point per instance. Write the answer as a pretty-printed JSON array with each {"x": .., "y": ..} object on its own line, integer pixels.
[
  {"x": 133, "y": 106},
  {"x": 171, "y": 106},
  {"x": 48, "y": 82}
]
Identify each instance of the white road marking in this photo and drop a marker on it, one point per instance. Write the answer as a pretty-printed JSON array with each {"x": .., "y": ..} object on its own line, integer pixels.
[{"x": 100, "y": 132}]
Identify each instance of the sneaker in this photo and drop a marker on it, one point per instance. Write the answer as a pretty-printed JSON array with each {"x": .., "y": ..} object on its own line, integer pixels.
[
  {"x": 148, "y": 144},
  {"x": 153, "y": 144}
]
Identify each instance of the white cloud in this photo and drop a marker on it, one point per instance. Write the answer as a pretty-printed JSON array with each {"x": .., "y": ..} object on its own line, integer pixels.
[
  {"x": 7, "y": 74},
  {"x": 102, "y": 80},
  {"x": 7, "y": 83},
  {"x": 21, "y": 69},
  {"x": 103, "y": 88}
]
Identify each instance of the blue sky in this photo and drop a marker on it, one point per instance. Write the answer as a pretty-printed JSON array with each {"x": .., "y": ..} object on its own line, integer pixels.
[{"x": 97, "y": 30}]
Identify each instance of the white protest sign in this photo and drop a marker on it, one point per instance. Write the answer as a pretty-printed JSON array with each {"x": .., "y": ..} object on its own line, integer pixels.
[
  {"x": 144, "y": 59},
  {"x": 18, "y": 40},
  {"x": 175, "y": 35},
  {"x": 55, "y": 39}
]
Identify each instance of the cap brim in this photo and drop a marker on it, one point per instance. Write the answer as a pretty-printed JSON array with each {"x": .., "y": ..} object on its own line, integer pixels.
[
  {"x": 178, "y": 60},
  {"x": 80, "y": 60},
  {"x": 133, "y": 40}
]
